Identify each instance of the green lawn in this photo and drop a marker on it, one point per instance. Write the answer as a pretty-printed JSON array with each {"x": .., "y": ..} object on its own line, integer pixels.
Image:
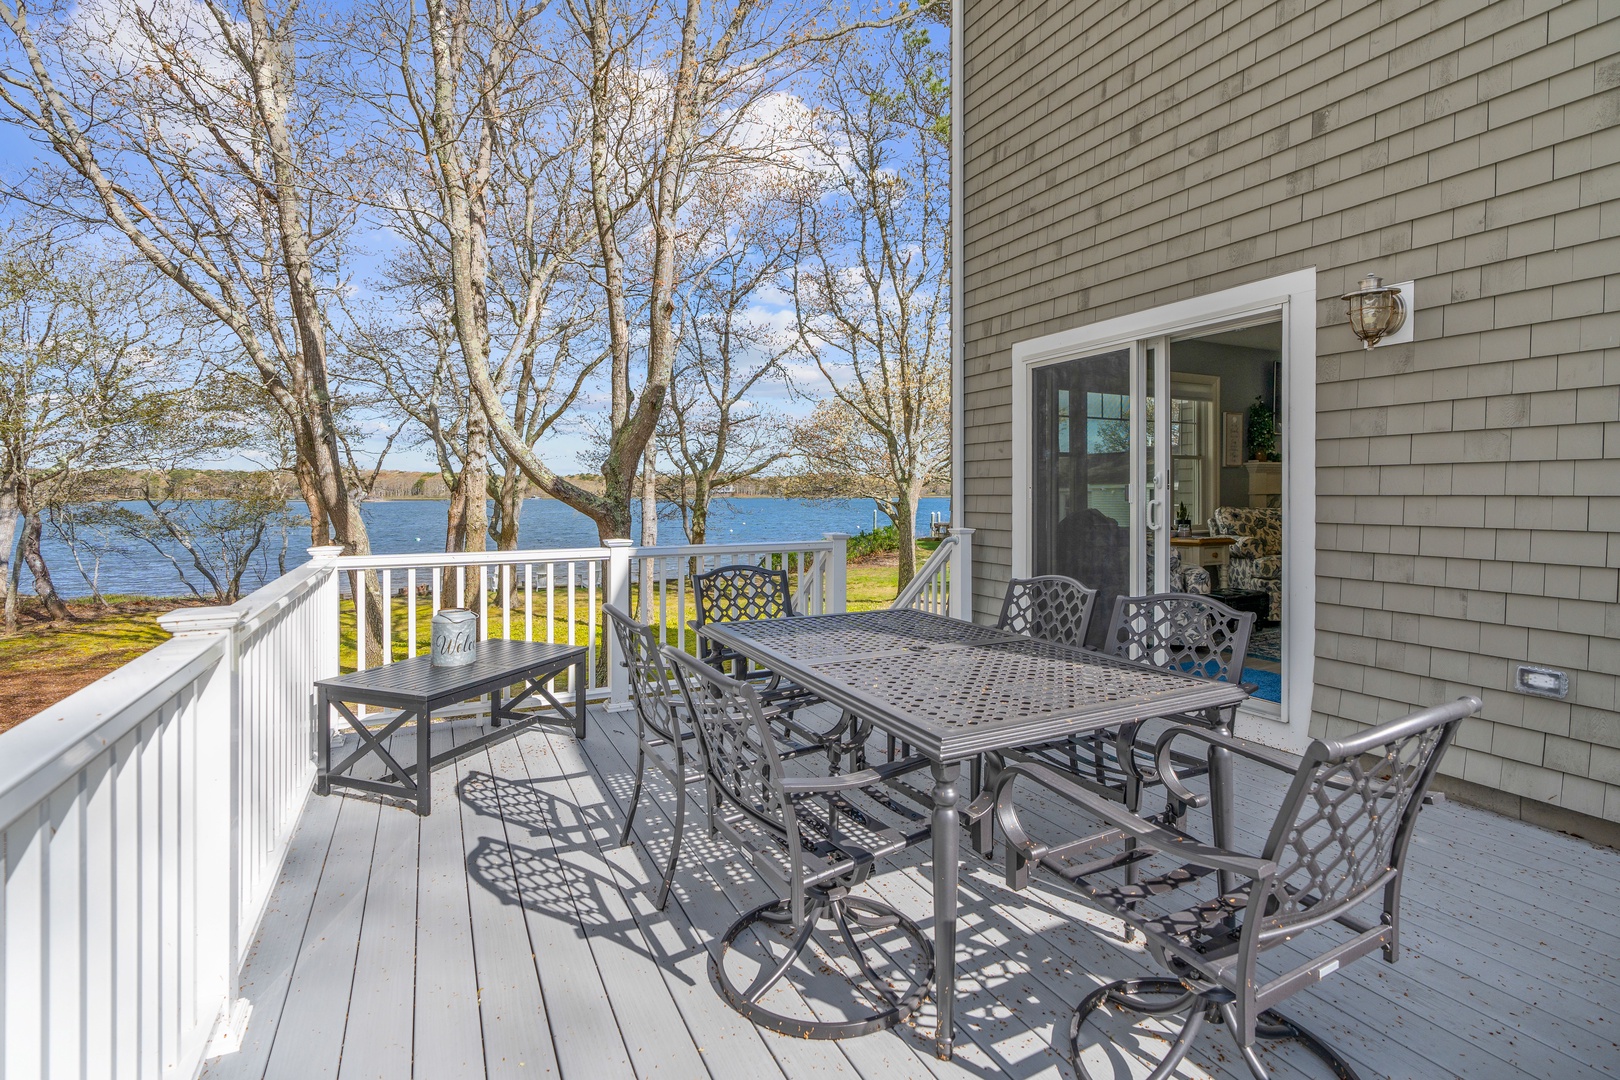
[{"x": 45, "y": 662}]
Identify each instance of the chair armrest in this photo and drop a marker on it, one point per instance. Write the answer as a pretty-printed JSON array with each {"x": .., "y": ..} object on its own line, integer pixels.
[
  {"x": 876, "y": 774},
  {"x": 1147, "y": 834},
  {"x": 1163, "y": 760}
]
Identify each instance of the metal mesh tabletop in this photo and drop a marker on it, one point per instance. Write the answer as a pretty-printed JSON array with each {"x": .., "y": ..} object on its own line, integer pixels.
[{"x": 955, "y": 689}]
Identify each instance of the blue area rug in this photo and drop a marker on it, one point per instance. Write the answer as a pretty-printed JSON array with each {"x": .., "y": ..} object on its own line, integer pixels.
[{"x": 1268, "y": 684}]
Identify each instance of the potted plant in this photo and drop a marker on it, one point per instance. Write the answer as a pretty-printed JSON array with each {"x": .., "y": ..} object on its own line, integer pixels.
[
  {"x": 1262, "y": 426},
  {"x": 1183, "y": 521}
]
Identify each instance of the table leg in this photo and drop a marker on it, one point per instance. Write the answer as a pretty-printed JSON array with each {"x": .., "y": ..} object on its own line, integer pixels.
[
  {"x": 946, "y": 848},
  {"x": 323, "y": 732},
  {"x": 578, "y": 679},
  {"x": 495, "y": 708},
  {"x": 1220, "y": 807},
  {"x": 424, "y": 755}
]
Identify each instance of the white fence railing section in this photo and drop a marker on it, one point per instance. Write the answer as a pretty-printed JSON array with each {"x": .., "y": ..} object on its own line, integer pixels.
[
  {"x": 142, "y": 824},
  {"x": 144, "y": 820},
  {"x": 941, "y": 583},
  {"x": 558, "y": 596}
]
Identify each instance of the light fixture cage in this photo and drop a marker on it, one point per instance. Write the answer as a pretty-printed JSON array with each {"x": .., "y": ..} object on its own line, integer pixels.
[{"x": 1376, "y": 310}]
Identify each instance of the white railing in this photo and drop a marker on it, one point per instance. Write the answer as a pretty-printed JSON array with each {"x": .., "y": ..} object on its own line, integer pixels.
[
  {"x": 557, "y": 595},
  {"x": 144, "y": 819},
  {"x": 142, "y": 823},
  {"x": 943, "y": 584}
]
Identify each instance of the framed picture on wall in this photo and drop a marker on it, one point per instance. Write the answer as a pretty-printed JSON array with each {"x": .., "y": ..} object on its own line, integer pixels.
[{"x": 1231, "y": 439}]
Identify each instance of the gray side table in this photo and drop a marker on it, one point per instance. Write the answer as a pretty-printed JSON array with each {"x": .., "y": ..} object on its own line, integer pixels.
[{"x": 417, "y": 688}]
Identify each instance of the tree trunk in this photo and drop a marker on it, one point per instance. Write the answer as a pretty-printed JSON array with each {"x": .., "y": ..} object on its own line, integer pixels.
[
  {"x": 8, "y": 538},
  {"x": 649, "y": 496},
  {"x": 905, "y": 527},
  {"x": 33, "y": 528},
  {"x": 700, "y": 508}
]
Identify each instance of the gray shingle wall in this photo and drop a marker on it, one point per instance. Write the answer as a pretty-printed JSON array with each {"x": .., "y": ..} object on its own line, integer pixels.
[{"x": 1124, "y": 155}]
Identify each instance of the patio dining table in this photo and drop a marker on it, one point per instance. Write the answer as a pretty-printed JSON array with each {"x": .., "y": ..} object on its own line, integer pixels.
[{"x": 954, "y": 690}]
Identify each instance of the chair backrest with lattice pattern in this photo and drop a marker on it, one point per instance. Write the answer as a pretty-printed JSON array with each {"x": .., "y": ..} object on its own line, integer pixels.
[
  {"x": 1048, "y": 608},
  {"x": 1344, "y": 826},
  {"x": 740, "y": 593},
  {"x": 744, "y": 768},
  {"x": 1197, "y": 635},
  {"x": 652, "y": 690}
]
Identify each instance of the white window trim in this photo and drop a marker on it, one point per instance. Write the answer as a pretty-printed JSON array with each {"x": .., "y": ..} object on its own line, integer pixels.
[{"x": 1294, "y": 297}]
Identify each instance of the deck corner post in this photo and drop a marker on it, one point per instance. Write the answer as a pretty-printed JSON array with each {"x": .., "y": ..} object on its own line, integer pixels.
[
  {"x": 618, "y": 594},
  {"x": 961, "y": 585},
  {"x": 837, "y": 576},
  {"x": 215, "y": 801}
]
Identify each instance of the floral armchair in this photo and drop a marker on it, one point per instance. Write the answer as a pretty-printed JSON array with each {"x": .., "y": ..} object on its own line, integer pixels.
[{"x": 1255, "y": 562}]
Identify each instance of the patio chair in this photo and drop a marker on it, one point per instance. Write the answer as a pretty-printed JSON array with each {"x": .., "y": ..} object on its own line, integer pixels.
[
  {"x": 1048, "y": 608},
  {"x": 662, "y": 736},
  {"x": 813, "y": 839},
  {"x": 1183, "y": 632},
  {"x": 1339, "y": 840},
  {"x": 744, "y": 592},
  {"x": 664, "y": 740}
]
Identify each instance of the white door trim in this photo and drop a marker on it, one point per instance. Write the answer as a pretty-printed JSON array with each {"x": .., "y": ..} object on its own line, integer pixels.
[{"x": 1294, "y": 296}]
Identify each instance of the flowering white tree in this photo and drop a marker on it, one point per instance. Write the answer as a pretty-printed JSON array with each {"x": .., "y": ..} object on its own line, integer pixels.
[{"x": 871, "y": 288}]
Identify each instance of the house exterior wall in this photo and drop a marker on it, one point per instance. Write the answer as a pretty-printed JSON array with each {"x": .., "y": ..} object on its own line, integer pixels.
[{"x": 1122, "y": 155}]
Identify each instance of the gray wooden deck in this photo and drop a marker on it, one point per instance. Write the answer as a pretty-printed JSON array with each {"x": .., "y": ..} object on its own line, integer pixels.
[{"x": 507, "y": 935}]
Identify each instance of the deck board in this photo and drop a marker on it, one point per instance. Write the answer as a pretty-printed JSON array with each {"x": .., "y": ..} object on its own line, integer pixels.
[{"x": 508, "y": 935}]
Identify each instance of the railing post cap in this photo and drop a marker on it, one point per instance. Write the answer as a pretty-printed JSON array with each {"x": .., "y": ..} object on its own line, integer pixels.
[
  {"x": 616, "y": 543},
  {"x": 200, "y": 620},
  {"x": 835, "y": 536},
  {"x": 961, "y": 532},
  {"x": 325, "y": 551}
]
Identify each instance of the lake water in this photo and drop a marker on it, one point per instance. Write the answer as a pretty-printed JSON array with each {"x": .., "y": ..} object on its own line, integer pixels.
[{"x": 417, "y": 526}]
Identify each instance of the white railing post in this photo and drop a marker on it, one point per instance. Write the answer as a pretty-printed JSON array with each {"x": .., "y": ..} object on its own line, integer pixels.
[
  {"x": 329, "y": 645},
  {"x": 961, "y": 583},
  {"x": 215, "y": 805},
  {"x": 618, "y": 594},
  {"x": 837, "y": 576}
]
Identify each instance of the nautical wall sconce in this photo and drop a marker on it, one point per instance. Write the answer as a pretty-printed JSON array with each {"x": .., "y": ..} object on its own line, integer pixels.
[{"x": 1379, "y": 313}]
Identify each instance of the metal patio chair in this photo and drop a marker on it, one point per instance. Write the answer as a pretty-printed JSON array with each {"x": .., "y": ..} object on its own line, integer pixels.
[
  {"x": 1183, "y": 632},
  {"x": 1339, "y": 841},
  {"x": 743, "y": 592},
  {"x": 1050, "y": 608},
  {"x": 813, "y": 839},
  {"x": 664, "y": 739}
]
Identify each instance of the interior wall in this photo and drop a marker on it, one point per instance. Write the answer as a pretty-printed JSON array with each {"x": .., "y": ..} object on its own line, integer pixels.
[{"x": 1244, "y": 373}]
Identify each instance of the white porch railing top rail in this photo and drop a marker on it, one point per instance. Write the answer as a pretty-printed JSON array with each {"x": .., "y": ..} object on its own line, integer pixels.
[
  {"x": 48, "y": 749},
  {"x": 581, "y": 554}
]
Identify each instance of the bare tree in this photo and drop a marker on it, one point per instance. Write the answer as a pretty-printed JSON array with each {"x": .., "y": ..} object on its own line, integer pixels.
[
  {"x": 484, "y": 151},
  {"x": 872, "y": 284},
  {"x": 667, "y": 100},
  {"x": 190, "y": 130},
  {"x": 82, "y": 357},
  {"x": 715, "y": 432}
]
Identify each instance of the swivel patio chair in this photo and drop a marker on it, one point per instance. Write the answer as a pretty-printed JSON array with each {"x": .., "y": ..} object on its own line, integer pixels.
[
  {"x": 1339, "y": 840},
  {"x": 664, "y": 740},
  {"x": 813, "y": 839},
  {"x": 744, "y": 592}
]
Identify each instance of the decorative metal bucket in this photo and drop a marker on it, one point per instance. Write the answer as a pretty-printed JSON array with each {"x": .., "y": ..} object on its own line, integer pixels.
[{"x": 455, "y": 637}]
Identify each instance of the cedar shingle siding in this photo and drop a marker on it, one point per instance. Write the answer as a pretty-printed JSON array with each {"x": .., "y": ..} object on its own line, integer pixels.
[{"x": 1124, "y": 155}]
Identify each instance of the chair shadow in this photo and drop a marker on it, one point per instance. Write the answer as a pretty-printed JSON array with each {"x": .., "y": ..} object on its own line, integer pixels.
[{"x": 560, "y": 880}]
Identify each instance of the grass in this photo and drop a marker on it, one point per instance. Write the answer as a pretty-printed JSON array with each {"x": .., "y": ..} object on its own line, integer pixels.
[{"x": 46, "y": 661}]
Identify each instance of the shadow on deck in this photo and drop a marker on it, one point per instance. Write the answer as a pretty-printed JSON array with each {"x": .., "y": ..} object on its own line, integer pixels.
[{"x": 507, "y": 935}]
